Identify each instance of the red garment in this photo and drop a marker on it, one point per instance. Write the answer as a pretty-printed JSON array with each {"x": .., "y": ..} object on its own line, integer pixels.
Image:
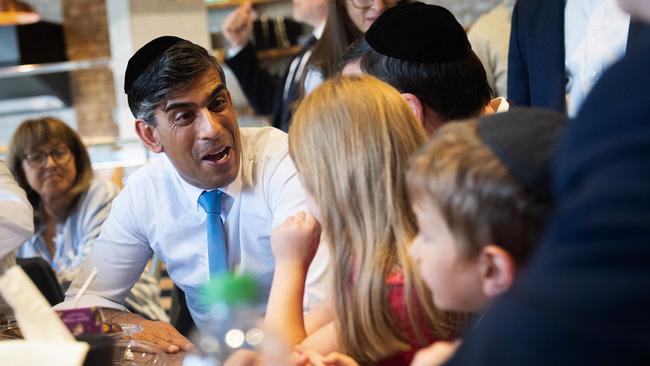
[{"x": 397, "y": 302}]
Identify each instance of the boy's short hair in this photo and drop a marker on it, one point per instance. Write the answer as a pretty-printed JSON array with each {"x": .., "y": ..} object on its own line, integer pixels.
[
  {"x": 422, "y": 49},
  {"x": 472, "y": 182}
]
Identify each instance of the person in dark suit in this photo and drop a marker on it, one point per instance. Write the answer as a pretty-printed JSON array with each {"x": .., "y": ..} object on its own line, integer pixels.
[
  {"x": 551, "y": 68},
  {"x": 585, "y": 297},
  {"x": 269, "y": 94}
]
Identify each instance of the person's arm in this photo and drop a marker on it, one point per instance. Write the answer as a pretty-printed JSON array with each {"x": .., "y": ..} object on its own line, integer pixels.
[
  {"x": 294, "y": 245},
  {"x": 120, "y": 255},
  {"x": 258, "y": 85},
  {"x": 518, "y": 78},
  {"x": 16, "y": 216}
]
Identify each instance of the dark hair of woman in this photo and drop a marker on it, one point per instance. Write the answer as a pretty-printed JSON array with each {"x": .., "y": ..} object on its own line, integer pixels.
[
  {"x": 338, "y": 34},
  {"x": 36, "y": 132}
]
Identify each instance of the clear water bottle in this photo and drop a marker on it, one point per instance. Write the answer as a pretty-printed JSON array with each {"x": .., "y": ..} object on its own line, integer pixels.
[{"x": 234, "y": 321}]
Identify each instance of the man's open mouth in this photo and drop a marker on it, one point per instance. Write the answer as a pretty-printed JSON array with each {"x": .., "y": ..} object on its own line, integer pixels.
[{"x": 219, "y": 156}]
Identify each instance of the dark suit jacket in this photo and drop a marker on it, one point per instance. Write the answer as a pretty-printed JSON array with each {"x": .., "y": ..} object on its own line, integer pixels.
[
  {"x": 585, "y": 297},
  {"x": 536, "y": 69},
  {"x": 265, "y": 92}
]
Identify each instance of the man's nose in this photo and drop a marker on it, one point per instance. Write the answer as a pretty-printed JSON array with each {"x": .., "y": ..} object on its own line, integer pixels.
[{"x": 210, "y": 125}]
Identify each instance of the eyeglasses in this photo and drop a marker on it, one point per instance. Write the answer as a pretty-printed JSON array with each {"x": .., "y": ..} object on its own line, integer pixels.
[
  {"x": 39, "y": 159},
  {"x": 365, "y": 4}
]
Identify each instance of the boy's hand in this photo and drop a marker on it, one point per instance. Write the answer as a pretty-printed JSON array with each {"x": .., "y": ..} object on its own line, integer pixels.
[
  {"x": 436, "y": 354},
  {"x": 296, "y": 240},
  {"x": 238, "y": 25}
]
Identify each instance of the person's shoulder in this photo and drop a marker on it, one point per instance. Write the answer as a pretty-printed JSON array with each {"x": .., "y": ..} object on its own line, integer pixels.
[
  {"x": 101, "y": 190},
  {"x": 154, "y": 169},
  {"x": 264, "y": 142}
]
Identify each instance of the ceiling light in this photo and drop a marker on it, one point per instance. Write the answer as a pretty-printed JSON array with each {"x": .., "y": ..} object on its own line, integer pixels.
[{"x": 14, "y": 12}]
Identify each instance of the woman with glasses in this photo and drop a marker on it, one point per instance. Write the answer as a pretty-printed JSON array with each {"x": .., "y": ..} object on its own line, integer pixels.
[
  {"x": 347, "y": 20},
  {"x": 51, "y": 163}
]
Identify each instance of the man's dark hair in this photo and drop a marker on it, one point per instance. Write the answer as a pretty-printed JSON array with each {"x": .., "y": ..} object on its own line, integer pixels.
[
  {"x": 453, "y": 89},
  {"x": 177, "y": 68}
]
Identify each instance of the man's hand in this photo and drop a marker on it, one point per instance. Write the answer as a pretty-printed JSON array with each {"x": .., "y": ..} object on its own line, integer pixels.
[
  {"x": 238, "y": 25},
  {"x": 163, "y": 335},
  {"x": 160, "y": 333},
  {"x": 296, "y": 240}
]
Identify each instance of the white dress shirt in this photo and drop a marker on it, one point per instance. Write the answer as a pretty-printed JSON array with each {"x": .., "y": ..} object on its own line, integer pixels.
[
  {"x": 595, "y": 36},
  {"x": 159, "y": 212},
  {"x": 16, "y": 222}
]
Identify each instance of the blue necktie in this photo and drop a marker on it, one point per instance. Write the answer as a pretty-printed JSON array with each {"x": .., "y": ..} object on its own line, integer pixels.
[{"x": 217, "y": 255}]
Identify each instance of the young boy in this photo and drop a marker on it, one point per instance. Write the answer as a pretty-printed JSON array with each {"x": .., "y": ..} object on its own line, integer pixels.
[{"x": 481, "y": 193}]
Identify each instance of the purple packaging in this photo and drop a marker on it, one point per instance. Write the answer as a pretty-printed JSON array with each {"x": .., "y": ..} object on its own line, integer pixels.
[{"x": 82, "y": 320}]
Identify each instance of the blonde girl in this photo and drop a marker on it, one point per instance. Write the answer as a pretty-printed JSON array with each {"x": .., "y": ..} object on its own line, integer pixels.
[{"x": 351, "y": 140}]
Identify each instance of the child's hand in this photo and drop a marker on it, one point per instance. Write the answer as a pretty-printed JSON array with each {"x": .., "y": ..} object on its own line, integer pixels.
[
  {"x": 296, "y": 240},
  {"x": 436, "y": 354},
  {"x": 338, "y": 359},
  {"x": 313, "y": 358}
]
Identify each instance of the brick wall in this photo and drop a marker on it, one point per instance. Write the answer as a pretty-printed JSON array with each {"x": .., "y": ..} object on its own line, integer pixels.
[{"x": 86, "y": 34}]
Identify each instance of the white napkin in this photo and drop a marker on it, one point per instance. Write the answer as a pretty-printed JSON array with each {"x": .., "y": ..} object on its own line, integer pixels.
[
  {"x": 37, "y": 320},
  {"x": 47, "y": 340},
  {"x": 30, "y": 353}
]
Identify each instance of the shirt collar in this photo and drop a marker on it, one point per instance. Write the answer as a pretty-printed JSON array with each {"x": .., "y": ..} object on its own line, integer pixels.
[
  {"x": 193, "y": 193},
  {"x": 318, "y": 31}
]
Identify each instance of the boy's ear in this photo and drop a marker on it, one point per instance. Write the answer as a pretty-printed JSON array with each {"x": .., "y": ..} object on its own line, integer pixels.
[
  {"x": 149, "y": 136},
  {"x": 498, "y": 270},
  {"x": 416, "y": 105}
]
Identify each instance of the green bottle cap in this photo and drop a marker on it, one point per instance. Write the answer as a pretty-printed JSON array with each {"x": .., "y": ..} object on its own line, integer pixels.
[{"x": 230, "y": 289}]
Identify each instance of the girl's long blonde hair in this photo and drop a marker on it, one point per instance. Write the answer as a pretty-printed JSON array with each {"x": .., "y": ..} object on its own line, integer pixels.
[{"x": 351, "y": 140}]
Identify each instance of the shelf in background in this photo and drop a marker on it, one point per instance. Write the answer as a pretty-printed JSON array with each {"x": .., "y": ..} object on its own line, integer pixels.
[{"x": 233, "y": 3}]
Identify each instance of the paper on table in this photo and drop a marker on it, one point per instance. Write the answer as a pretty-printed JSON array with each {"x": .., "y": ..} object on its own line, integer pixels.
[
  {"x": 37, "y": 320},
  {"x": 43, "y": 353}
]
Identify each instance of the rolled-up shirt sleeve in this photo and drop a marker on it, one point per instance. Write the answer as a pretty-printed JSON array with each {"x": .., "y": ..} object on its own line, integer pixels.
[{"x": 120, "y": 254}]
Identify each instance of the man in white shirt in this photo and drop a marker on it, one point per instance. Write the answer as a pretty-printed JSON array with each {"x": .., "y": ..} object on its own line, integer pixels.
[
  {"x": 177, "y": 93},
  {"x": 16, "y": 222}
]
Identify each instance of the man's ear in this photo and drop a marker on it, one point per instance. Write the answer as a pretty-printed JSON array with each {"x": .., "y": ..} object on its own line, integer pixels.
[
  {"x": 149, "y": 135},
  {"x": 498, "y": 270},
  {"x": 415, "y": 104}
]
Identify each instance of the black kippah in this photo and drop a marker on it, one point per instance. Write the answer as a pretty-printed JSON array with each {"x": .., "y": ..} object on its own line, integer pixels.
[
  {"x": 524, "y": 141},
  {"x": 419, "y": 32},
  {"x": 140, "y": 61}
]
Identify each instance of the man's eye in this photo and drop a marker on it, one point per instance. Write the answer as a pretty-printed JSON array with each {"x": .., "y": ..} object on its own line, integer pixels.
[
  {"x": 182, "y": 118},
  {"x": 218, "y": 104}
]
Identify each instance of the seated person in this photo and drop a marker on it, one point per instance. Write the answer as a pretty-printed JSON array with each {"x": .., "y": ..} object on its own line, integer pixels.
[
  {"x": 206, "y": 205},
  {"x": 380, "y": 311},
  {"x": 423, "y": 52},
  {"x": 481, "y": 195},
  {"x": 51, "y": 164},
  {"x": 16, "y": 224}
]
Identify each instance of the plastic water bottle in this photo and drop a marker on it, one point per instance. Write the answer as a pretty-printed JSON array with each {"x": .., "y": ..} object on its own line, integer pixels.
[{"x": 234, "y": 321}]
